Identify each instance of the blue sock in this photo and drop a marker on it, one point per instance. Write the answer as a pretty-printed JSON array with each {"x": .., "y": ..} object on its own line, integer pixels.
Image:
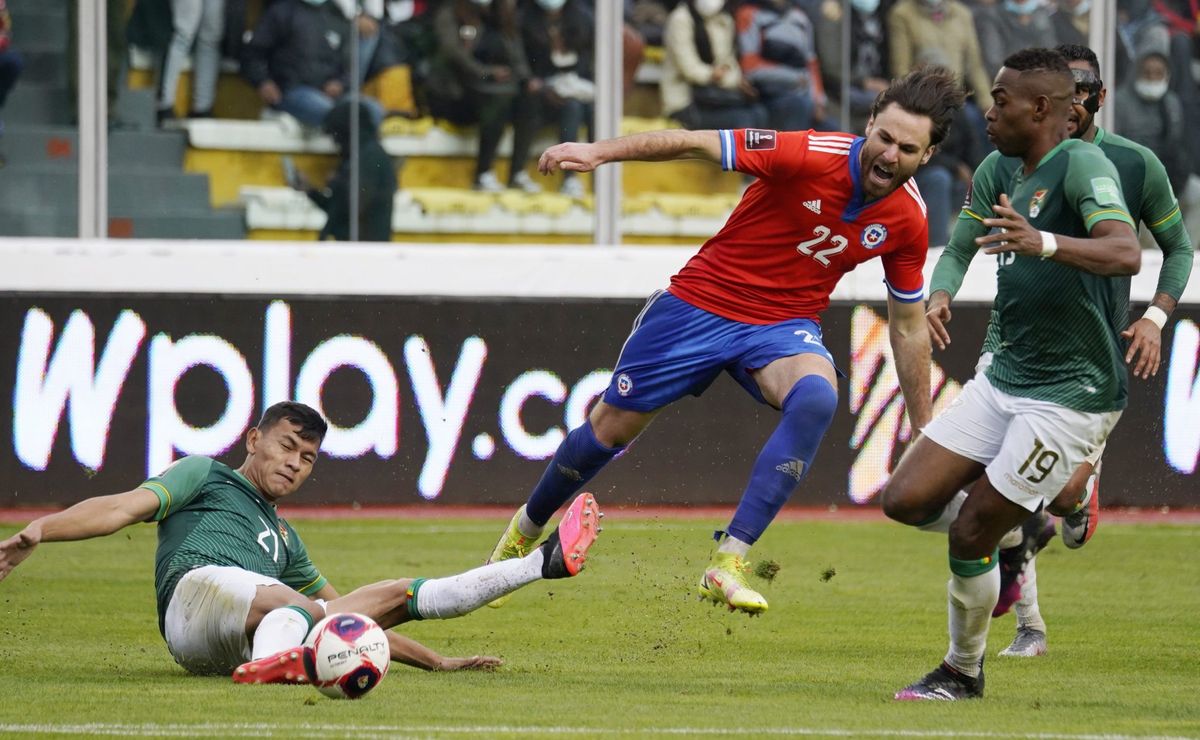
[
  {"x": 807, "y": 412},
  {"x": 577, "y": 460}
]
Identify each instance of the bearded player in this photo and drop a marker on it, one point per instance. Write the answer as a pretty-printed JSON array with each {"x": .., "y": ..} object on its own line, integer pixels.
[{"x": 749, "y": 302}]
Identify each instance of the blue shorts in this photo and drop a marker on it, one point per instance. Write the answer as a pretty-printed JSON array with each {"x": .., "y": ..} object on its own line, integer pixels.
[{"x": 676, "y": 349}]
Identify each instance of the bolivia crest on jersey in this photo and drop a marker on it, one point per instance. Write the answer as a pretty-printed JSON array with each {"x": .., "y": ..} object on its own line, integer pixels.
[
  {"x": 283, "y": 535},
  {"x": 874, "y": 235},
  {"x": 1035, "y": 203}
]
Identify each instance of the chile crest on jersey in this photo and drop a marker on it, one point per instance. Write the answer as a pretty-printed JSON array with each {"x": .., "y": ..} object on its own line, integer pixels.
[{"x": 874, "y": 235}]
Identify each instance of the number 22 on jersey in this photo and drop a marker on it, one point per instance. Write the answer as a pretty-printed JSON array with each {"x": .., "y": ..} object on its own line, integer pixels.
[{"x": 821, "y": 234}]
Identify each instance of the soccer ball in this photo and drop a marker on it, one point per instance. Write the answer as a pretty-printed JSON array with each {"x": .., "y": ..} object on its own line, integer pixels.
[{"x": 348, "y": 655}]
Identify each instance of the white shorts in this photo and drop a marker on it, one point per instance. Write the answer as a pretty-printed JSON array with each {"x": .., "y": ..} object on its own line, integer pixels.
[
  {"x": 206, "y": 618},
  {"x": 985, "y": 361},
  {"x": 1031, "y": 448}
]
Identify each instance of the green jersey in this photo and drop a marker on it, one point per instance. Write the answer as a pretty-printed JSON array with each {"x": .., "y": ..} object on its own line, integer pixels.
[
  {"x": 1058, "y": 327},
  {"x": 210, "y": 514},
  {"x": 1151, "y": 201}
]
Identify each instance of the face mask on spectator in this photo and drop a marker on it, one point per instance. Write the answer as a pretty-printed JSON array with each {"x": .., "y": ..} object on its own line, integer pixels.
[
  {"x": 551, "y": 5},
  {"x": 1083, "y": 8},
  {"x": 1022, "y": 7},
  {"x": 1151, "y": 90},
  {"x": 865, "y": 6},
  {"x": 709, "y": 8}
]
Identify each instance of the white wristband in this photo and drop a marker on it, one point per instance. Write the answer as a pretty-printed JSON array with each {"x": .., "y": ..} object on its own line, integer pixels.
[
  {"x": 1156, "y": 315},
  {"x": 1049, "y": 244}
]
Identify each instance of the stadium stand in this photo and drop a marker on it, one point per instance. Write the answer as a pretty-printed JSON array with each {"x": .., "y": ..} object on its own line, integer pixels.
[{"x": 150, "y": 194}]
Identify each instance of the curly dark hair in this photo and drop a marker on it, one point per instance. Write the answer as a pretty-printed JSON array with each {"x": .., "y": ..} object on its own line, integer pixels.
[
  {"x": 1035, "y": 59},
  {"x": 931, "y": 91}
]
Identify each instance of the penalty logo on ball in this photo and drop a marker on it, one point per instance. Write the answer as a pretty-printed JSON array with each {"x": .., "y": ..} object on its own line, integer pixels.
[{"x": 348, "y": 656}]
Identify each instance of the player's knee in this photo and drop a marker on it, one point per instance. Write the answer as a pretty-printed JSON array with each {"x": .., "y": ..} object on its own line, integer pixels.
[
  {"x": 968, "y": 537},
  {"x": 811, "y": 403},
  {"x": 900, "y": 500}
]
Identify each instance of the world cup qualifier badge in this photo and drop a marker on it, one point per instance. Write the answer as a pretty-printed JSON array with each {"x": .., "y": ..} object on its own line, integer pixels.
[
  {"x": 1035, "y": 203},
  {"x": 758, "y": 139},
  {"x": 874, "y": 236}
]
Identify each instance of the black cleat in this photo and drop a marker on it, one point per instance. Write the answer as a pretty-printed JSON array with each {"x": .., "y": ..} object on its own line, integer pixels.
[{"x": 944, "y": 684}]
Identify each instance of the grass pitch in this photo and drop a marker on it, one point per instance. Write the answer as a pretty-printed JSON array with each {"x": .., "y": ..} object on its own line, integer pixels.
[{"x": 857, "y": 612}]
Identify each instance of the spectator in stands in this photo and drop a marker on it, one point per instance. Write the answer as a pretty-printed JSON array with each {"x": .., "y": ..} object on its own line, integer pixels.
[
  {"x": 1071, "y": 20},
  {"x": 649, "y": 19},
  {"x": 1139, "y": 27},
  {"x": 1182, "y": 19},
  {"x": 10, "y": 61},
  {"x": 376, "y": 179},
  {"x": 558, "y": 37},
  {"x": 476, "y": 77},
  {"x": 702, "y": 84},
  {"x": 198, "y": 24},
  {"x": 868, "y": 56},
  {"x": 944, "y": 179},
  {"x": 941, "y": 31},
  {"x": 298, "y": 59},
  {"x": 1151, "y": 114},
  {"x": 1012, "y": 25},
  {"x": 779, "y": 57}
]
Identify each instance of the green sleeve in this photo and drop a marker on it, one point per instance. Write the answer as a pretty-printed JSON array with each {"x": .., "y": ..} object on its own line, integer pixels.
[
  {"x": 178, "y": 484},
  {"x": 300, "y": 573},
  {"x": 1160, "y": 213},
  {"x": 1093, "y": 187},
  {"x": 952, "y": 266}
]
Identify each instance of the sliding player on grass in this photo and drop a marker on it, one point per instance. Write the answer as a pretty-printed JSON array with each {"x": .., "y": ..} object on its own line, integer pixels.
[
  {"x": 749, "y": 302},
  {"x": 1057, "y": 383},
  {"x": 237, "y": 591}
]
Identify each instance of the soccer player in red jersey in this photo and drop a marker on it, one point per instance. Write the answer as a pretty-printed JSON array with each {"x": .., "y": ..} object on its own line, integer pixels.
[{"x": 749, "y": 302}]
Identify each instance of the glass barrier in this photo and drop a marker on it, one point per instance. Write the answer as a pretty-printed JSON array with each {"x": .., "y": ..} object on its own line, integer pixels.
[
  {"x": 245, "y": 128},
  {"x": 216, "y": 125},
  {"x": 39, "y": 179}
]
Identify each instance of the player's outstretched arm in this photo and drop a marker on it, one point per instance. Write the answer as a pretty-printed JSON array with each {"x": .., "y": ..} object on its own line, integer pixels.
[
  {"x": 649, "y": 146},
  {"x": 93, "y": 517},
  {"x": 410, "y": 652},
  {"x": 1112, "y": 248},
  {"x": 909, "y": 337}
]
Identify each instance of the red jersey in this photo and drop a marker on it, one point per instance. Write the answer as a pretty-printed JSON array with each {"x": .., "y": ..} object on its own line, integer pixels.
[{"x": 801, "y": 226}]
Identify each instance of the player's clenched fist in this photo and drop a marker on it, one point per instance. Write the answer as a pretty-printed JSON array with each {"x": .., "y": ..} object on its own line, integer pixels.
[{"x": 571, "y": 157}]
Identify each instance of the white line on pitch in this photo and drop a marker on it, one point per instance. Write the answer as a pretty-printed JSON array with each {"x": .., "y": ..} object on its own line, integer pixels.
[{"x": 318, "y": 730}]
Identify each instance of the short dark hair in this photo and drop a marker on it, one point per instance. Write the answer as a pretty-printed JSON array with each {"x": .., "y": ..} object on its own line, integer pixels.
[
  {"x": 312, "y": 426},
  {"x": 1036, "y": 59},
  {"x": 1080, "y": 53},
  {"x": 931, "y": 90}
]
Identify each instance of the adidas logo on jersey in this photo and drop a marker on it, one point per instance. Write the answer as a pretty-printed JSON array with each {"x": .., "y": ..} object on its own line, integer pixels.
[{"x": 813, "y": 205}]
